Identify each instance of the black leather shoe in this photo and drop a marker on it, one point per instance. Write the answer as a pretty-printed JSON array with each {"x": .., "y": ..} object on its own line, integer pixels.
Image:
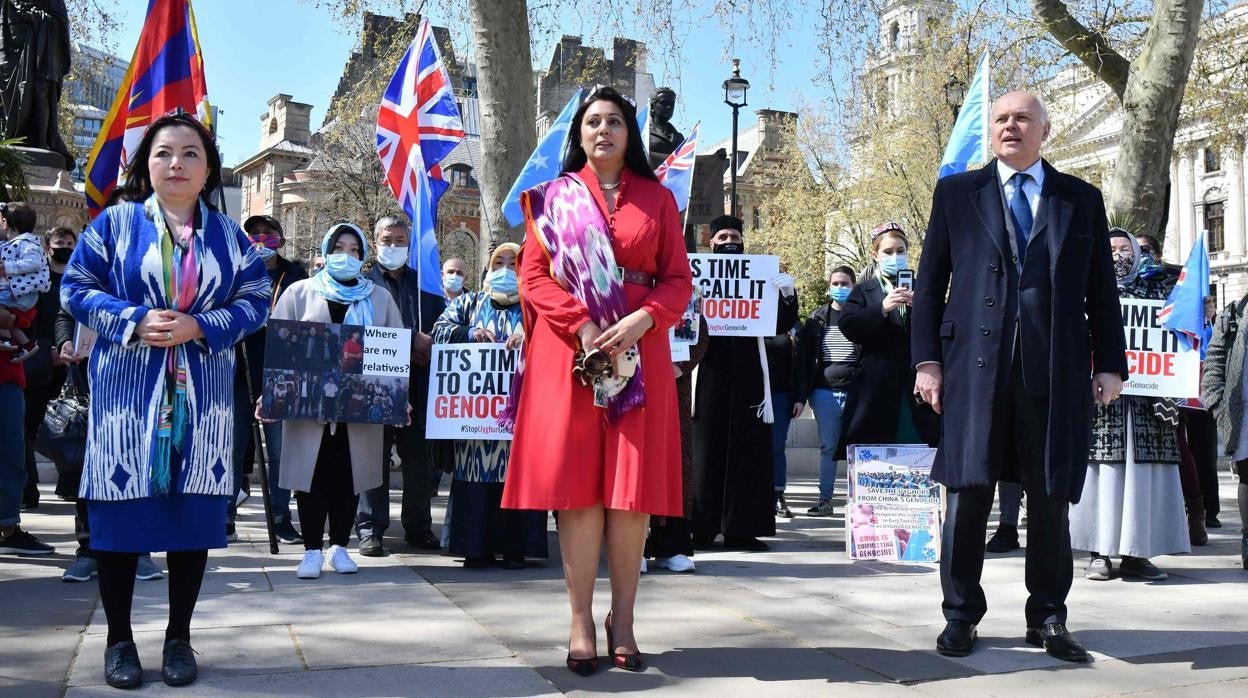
[
  {"x": 179, "y": 668},
  {"x": 424, "y": 541},
  {"x": 121, "y": 665},
  {"x": 371, "y": 546},
  {"x": 957, "y": 639},
  {"x": 745, "y": 543},
  {"x": 1005, "y": 540},
  {"x": 1058, "y": 642}
]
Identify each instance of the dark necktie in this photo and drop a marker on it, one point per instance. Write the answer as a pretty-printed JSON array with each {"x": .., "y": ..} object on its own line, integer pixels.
[{"x": 1020, "y": 211}]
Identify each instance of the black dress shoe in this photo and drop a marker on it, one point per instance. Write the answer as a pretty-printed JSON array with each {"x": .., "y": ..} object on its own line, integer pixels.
[
  {"x": 178, "y": 668},
  {"x": 1212, "y": 522},
  {"x": 957, "y": 639},
  {"x": 371, "y": 546},
  {"x": 745, "y": 543},
  {"x": 703, "y": 542},
  {"x": 121, "y": 665},
  {"x": 1005, "y": 540},
  {"x": 1058, "y": 642},
  {"x": 424, "y": 541}
]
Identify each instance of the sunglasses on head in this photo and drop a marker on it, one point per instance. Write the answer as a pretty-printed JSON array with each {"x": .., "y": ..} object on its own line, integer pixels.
[{"x": 598, "y": 89}]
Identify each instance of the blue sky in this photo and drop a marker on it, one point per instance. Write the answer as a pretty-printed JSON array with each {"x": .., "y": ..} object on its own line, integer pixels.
[{"x": 254, "y": 49}]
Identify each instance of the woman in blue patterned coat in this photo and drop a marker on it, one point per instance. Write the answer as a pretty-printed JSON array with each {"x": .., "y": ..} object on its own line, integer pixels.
[
  {"x": 170, "y": 285},
  {"x": 480, "y": 529}
]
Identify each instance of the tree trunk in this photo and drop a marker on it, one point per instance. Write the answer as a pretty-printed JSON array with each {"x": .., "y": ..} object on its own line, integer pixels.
[
  {"x": 1151, "y": 115},
  {"x": 1151, "y": 92},
  {"x": 500, "y": 31}
]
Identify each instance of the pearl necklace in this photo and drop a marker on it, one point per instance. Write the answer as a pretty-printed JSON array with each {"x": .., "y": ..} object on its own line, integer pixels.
[{"x": 609, "y": 187}]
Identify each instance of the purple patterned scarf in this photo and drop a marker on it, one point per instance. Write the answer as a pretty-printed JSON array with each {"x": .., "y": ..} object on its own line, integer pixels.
[{"x": 573, "y": 232}]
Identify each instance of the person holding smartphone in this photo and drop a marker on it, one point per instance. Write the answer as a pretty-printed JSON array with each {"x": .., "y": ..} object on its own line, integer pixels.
[{"x": 876, "y": 317}]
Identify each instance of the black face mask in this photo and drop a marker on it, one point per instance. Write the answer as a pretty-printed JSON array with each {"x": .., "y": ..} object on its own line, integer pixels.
[
  {"x": 728, "y": 248},
  {"x": 61, "y": 255}
]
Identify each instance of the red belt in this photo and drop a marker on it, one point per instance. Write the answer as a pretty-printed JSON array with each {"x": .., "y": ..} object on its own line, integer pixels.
[{"x": 630, "y": 276}]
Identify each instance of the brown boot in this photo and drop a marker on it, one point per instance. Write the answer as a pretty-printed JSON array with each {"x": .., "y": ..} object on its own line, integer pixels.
[{"x": 1196, "y": 520}]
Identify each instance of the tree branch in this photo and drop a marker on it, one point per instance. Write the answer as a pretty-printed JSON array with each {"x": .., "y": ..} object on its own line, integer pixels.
[{"x": 1090, "y": 47}]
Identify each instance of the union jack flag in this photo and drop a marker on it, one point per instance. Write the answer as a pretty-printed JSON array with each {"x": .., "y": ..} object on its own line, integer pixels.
[
  {"x": 418, "y": 124},
  {"x": 676, "y": 172}
]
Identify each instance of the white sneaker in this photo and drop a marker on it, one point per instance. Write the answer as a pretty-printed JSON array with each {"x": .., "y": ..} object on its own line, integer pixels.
[
  {"x": 645, "y": 566},
  {"x": 310, "y": 567},
  {"x": 677, "y": 563},
  {"x": 341, "y": 560}
]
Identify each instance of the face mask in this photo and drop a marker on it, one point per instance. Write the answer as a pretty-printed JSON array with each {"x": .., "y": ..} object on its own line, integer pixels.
[
  {"x": 728, "y": 248},
  {"x": 891, "y": 264},
  {"x": 839, "y": 293},
  {"x": 61, "y": 255},
  {"x": 452, "y": 282},
  {"x": 392, "y": 257},
  {"x": 343, "y": 267},
  {"x": 1149, "y": 266},
  {"x": 265, "y": 253},
  {"x": 1123, "y": 264},
  {"x": 503, "y": 281}
]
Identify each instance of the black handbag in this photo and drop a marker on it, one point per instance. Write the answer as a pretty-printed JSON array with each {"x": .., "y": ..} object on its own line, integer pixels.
[{"x": 62, "y": 437}]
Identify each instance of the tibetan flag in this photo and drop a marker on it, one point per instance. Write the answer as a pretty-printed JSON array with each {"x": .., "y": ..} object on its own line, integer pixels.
[
  {"x": 1184, "y": 311},
  {"x": 166, "y": 73}
]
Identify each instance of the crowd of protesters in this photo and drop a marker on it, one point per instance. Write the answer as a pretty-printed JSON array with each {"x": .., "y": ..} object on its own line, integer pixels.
[{"x": 174, "y": 304}]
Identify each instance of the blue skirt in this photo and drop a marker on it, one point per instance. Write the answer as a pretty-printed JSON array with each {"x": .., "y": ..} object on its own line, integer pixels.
[{"x": 158, "y": 524}]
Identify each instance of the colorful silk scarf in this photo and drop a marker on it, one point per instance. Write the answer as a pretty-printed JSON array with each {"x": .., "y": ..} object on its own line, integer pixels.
[
  {"x": 565, "y": 220},
  {"x": 181, "y": 277}
]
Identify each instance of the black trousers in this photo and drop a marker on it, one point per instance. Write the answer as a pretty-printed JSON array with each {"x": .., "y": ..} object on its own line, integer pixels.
[
  {"x": 331, "y": 498},
  {"x": 1202, "y": 439},
  {"x": 1019, "y": 430}
]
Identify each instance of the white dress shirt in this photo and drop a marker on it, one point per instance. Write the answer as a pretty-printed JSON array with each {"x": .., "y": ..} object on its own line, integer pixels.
[{"x": 1032, "y": 187}]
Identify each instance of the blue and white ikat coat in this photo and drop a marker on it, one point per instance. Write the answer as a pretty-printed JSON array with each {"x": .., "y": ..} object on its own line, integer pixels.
[{"x": 114, "y": 277}]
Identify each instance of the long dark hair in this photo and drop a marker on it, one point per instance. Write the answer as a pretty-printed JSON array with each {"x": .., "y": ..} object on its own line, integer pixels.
[
  {"x": 634, "y": 157},
  {"x": 139, "y": 179}
]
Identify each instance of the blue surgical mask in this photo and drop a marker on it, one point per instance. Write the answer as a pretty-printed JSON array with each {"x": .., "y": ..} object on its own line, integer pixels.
[
  {"x": 840, "y": 294},
  {"x": 503, "y": 281},
  {"x": 891, "y": 264},
  {"x": 265, "y": 253},
  {"x": 342, "y": 266},
  {"x": 452, "y": 282}
]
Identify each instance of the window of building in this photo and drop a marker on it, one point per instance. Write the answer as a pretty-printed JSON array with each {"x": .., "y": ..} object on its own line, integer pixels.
[
  {"x": 1215, "y": 225},
  {"x": 894, "y": 34},
  {"x": 1213, "y": 161},
  {"x": 758, "y": 218}
]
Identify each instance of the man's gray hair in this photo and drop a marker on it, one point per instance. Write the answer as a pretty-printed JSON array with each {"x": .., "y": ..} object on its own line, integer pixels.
[{"x": 388, "y": 222}]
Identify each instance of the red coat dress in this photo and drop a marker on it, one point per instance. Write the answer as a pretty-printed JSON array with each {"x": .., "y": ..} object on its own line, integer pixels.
[{"x": 565, "y": 454}]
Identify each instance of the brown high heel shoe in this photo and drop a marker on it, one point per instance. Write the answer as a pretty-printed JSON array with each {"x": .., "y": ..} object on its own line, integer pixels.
[{"x": 628, "y": 661}]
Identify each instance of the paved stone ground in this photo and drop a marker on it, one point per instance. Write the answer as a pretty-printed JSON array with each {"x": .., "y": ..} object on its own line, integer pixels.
[{"x": 799, "y": 620}]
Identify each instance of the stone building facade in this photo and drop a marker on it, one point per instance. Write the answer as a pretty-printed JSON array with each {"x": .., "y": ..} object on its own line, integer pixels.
[{"x": 759, "y": 152}]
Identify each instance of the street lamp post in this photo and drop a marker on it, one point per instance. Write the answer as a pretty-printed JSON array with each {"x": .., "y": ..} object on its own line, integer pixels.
[
  {"x": 955, "y": 94},
  {"x": 735, "y": 88}
]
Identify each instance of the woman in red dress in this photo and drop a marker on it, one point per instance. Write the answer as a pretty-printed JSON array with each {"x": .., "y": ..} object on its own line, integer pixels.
[{"x": 603, "y": 266}]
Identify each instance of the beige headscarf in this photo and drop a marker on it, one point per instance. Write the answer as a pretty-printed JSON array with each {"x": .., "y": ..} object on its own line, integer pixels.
[{"x": 501, "y": 298}]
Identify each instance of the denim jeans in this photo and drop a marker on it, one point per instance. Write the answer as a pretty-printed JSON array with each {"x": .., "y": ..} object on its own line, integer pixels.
[
  {"x": 13, "y": 453},
  {"x": 829, "y": 407},
  {"x": 782, "y": 410}
]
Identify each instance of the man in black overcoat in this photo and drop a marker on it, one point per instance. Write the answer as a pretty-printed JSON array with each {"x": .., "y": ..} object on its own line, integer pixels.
[{"x": 1016, "y": 332}]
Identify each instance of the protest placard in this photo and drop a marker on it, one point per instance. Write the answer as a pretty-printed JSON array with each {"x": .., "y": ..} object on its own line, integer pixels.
[
  {"x": 684, "y": 334},
  {"x": 894, "y": 508},
  {"x": 336, "y": 373},
  {"x": 738, "y": 299},
  {"x": 1158, "y": 364},
  {"x": 468, "y": 390}
]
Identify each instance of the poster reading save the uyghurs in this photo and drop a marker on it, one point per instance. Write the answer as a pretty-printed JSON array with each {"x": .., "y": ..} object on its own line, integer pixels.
[
  {"x": 894, "y": 507},
  {"x": 336, "y": 373}
]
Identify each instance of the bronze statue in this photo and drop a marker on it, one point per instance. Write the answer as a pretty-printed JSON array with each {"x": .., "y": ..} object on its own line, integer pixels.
[
  {"x": 664, "y": 138},
  {"x": 34, "y": 60}
]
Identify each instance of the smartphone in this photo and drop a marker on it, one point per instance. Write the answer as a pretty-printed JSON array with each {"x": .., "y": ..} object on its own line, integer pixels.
[{"x": 905, "y": 279}]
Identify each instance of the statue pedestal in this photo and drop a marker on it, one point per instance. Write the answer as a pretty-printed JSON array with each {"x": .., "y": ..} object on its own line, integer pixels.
[{"x": 52, "y": 192}]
